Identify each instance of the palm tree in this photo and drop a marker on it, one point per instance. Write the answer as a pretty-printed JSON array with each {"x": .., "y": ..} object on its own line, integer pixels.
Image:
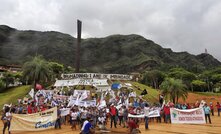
[
  {"x": 174, "y": 89},
  {"x": 36, "y": 70}
]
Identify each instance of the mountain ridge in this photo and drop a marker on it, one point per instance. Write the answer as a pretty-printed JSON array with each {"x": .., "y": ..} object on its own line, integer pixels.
[{"x": 110, "y": 54}]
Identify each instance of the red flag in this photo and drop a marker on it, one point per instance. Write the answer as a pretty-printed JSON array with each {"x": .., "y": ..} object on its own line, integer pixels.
[{"x": 38, "y": 87}]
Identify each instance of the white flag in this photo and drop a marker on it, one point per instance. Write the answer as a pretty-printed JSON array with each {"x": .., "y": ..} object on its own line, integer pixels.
[
  {"x": 31, "y": 93},
  {"x": 132, "y": 94},
  {"x": 77, "y": 100},
  {"x": 83, "y": 96}
]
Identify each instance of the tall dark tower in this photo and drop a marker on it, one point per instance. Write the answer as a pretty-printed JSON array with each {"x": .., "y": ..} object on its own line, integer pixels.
[{"x": 79, "y": 24}]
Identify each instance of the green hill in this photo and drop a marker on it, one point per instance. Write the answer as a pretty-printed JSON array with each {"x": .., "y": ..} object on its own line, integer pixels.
[
  {"x": 112, "y": 54},
  {"x": 12, "y": 95}
]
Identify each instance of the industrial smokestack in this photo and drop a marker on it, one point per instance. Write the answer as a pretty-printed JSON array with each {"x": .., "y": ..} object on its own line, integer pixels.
[{"x": 79, "y": 23}]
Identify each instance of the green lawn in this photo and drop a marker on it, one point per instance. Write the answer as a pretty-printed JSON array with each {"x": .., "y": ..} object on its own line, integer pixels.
[
  {"x": 13, "y": 94},
  {"x": 152, "y": 95}
]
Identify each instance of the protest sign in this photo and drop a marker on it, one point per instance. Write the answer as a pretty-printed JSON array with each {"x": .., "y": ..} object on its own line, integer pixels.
[
  {"x": 154, "y": 113},
  {"x": 191, "y": 116},
  {"x": 65, "y": 111},
  {"x": 97, "y": 76},
  {"x": 34, "y": 122}
]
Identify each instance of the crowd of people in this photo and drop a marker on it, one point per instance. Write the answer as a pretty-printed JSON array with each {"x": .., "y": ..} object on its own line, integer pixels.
[{"x": 115, "y": 113}]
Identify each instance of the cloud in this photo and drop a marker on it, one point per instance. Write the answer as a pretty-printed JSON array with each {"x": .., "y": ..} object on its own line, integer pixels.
[{"x": 183, "y": 25}]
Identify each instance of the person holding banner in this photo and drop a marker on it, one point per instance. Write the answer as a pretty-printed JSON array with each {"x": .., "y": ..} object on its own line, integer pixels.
[
  {"x": 58, "y": 121},
  {"x": 207, "y": 112},
  {"x": 146, "y": 114}
]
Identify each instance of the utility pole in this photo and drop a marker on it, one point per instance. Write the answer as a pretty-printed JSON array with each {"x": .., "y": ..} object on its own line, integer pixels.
[{"x": 77, "y": 68}]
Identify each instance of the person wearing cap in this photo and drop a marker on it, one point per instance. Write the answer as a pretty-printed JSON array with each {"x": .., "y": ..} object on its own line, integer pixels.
[{"x": 207, "y": 112}]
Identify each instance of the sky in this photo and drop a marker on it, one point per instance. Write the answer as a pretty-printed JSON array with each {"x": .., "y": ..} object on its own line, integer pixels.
[{"x": 182, "y": 25}]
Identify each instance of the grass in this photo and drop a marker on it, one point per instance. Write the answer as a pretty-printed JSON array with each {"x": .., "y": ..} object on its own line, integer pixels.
[
  {"x": 208, "y": 93},
  {"x": 152, "y": 95},
  {"x": 13, "y": 94}
]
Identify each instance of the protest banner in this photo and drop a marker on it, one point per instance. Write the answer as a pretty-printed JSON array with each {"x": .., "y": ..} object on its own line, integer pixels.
[
  {"x": 81, "y": 81},
  {"x": 190, "y": 116},
  {"x": 80, "y": 92},
  {"x": 65, "y": 111},
  {"x": 97, "y": 76},
  {"x": 85, "y": 103},
  {"x": 34, "y": 122},
  {"x": 154, "y": 113}
]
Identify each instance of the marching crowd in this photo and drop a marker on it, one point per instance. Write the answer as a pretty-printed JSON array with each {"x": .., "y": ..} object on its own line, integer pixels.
[{"x": 117, "y": 112}]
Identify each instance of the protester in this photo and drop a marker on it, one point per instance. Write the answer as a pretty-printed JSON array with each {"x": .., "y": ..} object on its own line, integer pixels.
[
  {"x": 211, "y": 108},
  {"x": 146, "y": 114},
  {"x": 167, "y": 113},
  {"x": 58, "y": 121},
  {"x": 113, "y": 114},
  {"x": 133, "y": 127},
  {"x": 73, "y": 114},
  {"x": 218, "y": 108},
  {"x": 87, "y": 127},
  {"x": 6, "y": 119},
  {"x": 207, "y": 112}
]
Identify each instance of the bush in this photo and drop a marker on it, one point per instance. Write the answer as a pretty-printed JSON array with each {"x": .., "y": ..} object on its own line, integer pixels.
[{"x": 2, "y": 85}]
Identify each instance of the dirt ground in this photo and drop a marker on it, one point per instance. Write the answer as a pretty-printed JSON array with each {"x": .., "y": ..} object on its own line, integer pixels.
[
  {"x": 192, "y": 98},
  {"x": 154, "y": 128}
]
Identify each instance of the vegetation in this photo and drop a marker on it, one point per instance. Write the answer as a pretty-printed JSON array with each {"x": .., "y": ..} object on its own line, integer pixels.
[
  {"x": 112, "y": 54},
  {"x": 173, "y": 89},
  {"x": 37, "y": 70},
  {"x": 13, "y": 94}
]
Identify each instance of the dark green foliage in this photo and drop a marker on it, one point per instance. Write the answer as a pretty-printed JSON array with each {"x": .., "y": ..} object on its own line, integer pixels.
[{"x": 112, "y": 54}]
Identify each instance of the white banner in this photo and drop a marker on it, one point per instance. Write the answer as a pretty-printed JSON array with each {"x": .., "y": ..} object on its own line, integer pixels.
[
  {"x": 85, "y": 103},
  {"x": 154, "y": 113},
  {"x": 190, "y": 116},
  {"x": 65, "y": 111},
  {"x": 34, "y": 122},
  {"x": 81, "y": 81},
  {"x": 98, "y": 76},
  {"x": 80, "y": 92}
]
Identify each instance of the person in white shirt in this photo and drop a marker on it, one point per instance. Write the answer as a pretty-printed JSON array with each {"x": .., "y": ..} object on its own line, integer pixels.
[
  {"x": 146, "y": 114},
  {"x": 7, "y": 119},
  {"x": 74, "y": 115}
]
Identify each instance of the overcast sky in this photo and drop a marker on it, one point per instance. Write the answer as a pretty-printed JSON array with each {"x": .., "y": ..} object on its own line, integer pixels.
[{"x": 182, "y": 25}]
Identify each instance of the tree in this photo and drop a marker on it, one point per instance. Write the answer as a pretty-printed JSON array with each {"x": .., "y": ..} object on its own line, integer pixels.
[
  {"x": 36, "y": 70},
  {"x": 8, "y": 78},
  {"x": 180, "y": 73},
  {"x": 153, "y": 78},
  {"x": 174, "y": 89},
  {"x": 198, "y": 85},
  {"x": 56, "y": 68},
  {"x": 2, "y": 85}
]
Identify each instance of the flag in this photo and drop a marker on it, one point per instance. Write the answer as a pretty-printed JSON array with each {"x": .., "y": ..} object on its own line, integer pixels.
[
  {"x": 77, "y": 100},
  {"x": 38, "y": 87},
  {"x": 31, "y": 93},
  {"x": 83, "y": 96},
  {"x": 132, "y": 94}
]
